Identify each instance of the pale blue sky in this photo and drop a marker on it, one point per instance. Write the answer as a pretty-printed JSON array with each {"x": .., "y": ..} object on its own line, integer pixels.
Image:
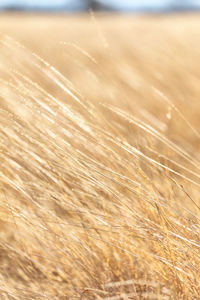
[
  {"x": 33, "y": 2},
  {"x": 120, "y": 4},
  {"x": 149, "y": 3},
  {"x": 73, "y": 4}
]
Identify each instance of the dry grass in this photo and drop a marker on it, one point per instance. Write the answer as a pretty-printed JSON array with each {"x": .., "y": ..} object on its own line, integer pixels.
[{"x": 100, "y": 165}]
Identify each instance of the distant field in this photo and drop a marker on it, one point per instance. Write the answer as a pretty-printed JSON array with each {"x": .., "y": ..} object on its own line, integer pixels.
[{"x": 100, "y": 157}]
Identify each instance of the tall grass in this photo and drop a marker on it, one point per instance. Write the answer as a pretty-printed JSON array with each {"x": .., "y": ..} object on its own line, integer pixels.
[{"x": 100, "y": 166}]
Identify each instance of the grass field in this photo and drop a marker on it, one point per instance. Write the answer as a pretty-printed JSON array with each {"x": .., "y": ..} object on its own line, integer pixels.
[{"x": 100, "y": 157}]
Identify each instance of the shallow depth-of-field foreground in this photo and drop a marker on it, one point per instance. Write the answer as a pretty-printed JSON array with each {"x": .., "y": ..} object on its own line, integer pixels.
[{"x": 100, "y": 157}]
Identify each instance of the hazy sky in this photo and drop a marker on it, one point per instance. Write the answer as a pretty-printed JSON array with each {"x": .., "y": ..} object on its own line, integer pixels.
[
  {"x": 73, "y": 4},
  {"x": 116, "y": 3},
  {"x": 36, "y": 2},
  {"x": 149, "y": 3}
]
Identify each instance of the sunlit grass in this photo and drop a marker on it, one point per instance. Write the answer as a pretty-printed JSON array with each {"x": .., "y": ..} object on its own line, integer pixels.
[{"x": 99, "y": 151}]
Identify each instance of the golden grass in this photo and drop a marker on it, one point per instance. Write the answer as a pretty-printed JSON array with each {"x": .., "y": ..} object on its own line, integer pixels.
[{"x": 100, "y": 165}]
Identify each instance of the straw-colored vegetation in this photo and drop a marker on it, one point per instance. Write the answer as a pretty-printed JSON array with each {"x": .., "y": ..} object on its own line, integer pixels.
[{"x": 99, "y": 151}]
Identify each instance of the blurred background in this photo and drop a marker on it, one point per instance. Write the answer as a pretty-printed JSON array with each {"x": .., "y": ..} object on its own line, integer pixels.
[{"x": 105, "y": 5}]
